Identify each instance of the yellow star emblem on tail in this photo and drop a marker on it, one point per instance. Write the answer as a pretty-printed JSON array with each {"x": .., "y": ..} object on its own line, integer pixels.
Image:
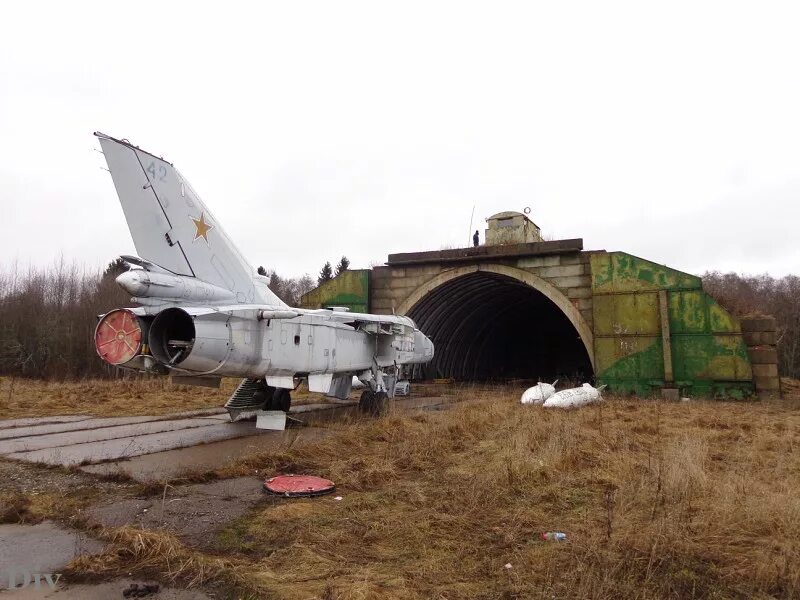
[{"x": 202, "y": 228}]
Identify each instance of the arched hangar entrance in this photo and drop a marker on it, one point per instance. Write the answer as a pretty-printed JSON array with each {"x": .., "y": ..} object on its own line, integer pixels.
[{"x": 492, "y": 322}]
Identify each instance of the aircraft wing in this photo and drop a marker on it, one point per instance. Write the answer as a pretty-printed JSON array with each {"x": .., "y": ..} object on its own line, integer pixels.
[
  {"x": 379, "y": 323},
  {"x": 261, "y": 312}
]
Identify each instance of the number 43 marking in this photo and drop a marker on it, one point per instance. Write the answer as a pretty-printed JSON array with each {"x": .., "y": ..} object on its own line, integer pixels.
[{"x": 157, "y": 172}]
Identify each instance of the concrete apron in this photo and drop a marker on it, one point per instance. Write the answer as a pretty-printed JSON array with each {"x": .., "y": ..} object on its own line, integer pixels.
[
  {"x": 28, "y": 553},
  {"x": 154, "y": 448}
]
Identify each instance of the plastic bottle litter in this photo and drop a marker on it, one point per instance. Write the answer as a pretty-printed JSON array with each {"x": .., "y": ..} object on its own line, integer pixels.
[
  {"x": 538, "y": 393},
  {"x": 574, "y": 397},
  {"x": 554, "y": 536}
]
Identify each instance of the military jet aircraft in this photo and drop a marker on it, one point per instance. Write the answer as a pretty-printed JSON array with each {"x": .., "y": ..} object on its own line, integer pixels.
[{"x": 204, "y": 313}]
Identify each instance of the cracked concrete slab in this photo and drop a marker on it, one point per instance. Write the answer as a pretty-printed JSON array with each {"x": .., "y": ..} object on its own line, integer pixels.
[
  {"x": 40, "y": 429},
  {"x": 44, "y": 549},
  {"x": 203, "y": 457},
  {"x": 135, "y": 444},
  {"x": 26, "y": 421},
  {"x": 99, "y": 434}
]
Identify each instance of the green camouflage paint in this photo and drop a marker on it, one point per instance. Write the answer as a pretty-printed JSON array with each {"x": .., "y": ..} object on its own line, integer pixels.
[
  {"x": 709, "y": 356},
  {"x": 349, "y": 289}
]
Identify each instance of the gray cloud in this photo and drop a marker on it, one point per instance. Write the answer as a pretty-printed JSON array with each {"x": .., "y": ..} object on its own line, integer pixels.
[{"x": 318, "y": 130}]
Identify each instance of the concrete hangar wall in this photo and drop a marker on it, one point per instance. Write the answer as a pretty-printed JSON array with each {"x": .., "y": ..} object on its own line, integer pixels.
[{"x": 549, "y": 309}]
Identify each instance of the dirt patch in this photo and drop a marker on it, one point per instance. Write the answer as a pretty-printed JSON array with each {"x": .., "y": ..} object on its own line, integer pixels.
[
  {"x": 193, "y": 512},
  {"x": 31, "y": 493},
  {"x": 34, "y": 479},
  {"x": 658, "y": 499}
]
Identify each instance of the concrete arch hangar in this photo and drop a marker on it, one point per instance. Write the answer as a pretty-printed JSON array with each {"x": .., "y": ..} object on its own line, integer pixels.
[{"x": 495, "y": 322}]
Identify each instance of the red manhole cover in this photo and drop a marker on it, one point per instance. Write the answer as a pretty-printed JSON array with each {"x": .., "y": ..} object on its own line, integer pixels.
[
  {"x": 299, "y": 485},
  {"x": 118, "y": 337}
]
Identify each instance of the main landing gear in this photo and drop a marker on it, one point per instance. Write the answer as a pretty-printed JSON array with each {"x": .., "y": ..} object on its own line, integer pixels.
[
  {"x": 253, "y": 395},
  {"x": 374, "y": 403},
  {"x": 271, "y": 398}
]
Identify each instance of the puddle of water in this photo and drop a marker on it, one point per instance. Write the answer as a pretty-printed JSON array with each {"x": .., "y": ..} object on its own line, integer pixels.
[
  {"x": 100, "y": 591},
  {"x": 42, "y": 548}
]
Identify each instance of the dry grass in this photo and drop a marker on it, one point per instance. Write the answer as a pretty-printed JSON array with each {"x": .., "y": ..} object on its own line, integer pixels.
[
  {"x": 119, "y": 397},
  {"x": 113, "y": 398},
  {"x": 151, "y": 552},
  {"x": 689, "y": 500},
  {"x": 27, "y": 508}
]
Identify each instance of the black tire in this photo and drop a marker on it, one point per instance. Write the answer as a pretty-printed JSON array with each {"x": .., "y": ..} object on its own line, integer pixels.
[
  {"x": 366, "y": 402},
  {"x": 263, "y": 396},
  {"x": 380, "y": 404},
  {"x": 281, "y": 400}
]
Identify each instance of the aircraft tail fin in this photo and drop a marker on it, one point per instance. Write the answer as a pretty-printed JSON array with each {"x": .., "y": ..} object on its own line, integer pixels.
[{"x": 171, "y": 226}]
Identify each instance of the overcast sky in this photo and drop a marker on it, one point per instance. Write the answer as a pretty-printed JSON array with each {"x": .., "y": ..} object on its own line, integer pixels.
[{"x": 668, "y": 130}]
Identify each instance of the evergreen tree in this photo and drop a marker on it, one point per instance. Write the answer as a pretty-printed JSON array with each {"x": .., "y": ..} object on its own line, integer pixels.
[
  {"x": 343, "y": 265},
  {"x": 262, "y": 271},
  {"x": 326, "y": 274},
  {"x": 115, "y": 267}
]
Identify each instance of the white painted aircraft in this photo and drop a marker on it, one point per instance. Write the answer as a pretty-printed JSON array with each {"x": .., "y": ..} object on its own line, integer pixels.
[{"x": 205, "y": 314}]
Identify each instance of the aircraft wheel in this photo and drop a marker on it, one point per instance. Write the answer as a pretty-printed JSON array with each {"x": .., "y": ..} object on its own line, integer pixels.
[
  {"x": 366, "y": 401},
  {"x": 374, "y": 403},
  {"x": 381, "y": 404},
  {"x": 263, "y": 396},
  {"x": 281, "y": 400}
]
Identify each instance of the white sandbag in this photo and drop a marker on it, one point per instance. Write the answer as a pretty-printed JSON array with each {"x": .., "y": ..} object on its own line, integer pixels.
[
  {"x": 574, "y": 397},
  {"x": 538, "y": 393},
  {"x": 357, "y": 383}
]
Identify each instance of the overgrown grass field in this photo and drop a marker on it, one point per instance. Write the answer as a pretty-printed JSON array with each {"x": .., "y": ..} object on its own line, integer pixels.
[{"x": 685, "y": 500}]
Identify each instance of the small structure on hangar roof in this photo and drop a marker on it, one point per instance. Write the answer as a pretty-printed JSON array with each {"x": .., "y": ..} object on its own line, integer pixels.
[{"x": 511, "y": 227}]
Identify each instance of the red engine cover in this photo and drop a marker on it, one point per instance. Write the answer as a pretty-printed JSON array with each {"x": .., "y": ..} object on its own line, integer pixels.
[{"x": 118, "y": 337}]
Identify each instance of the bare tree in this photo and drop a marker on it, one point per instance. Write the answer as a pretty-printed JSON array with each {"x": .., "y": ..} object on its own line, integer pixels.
[{"x": 762, "y": 294}]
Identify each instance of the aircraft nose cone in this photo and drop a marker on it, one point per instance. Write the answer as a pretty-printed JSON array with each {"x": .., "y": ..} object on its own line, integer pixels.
[
  {"x": 429, "y": 345},
  {"x": 134, "y": 282},
  {"x": 424, "y": 347}
]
